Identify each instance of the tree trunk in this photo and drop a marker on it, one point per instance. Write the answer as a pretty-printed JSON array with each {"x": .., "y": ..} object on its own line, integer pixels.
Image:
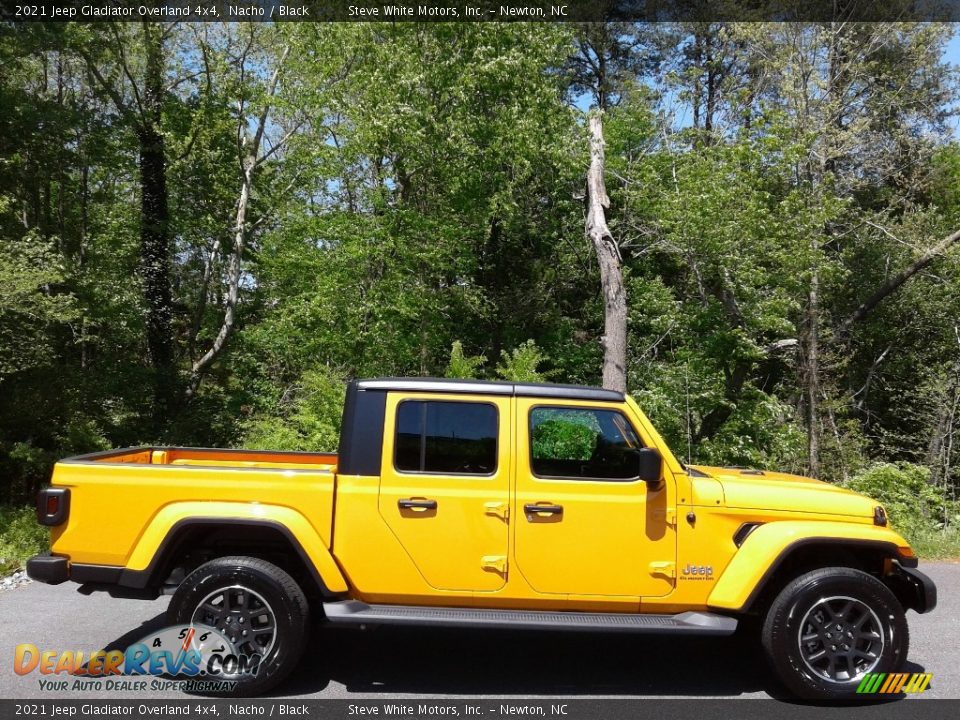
[
  {"x": 233, "y": 276},
  {"x": 608, "y": 258},
  {"x": 940, "y": 446},
  {"x": 250, "y": 158},
  {"x": 712, "y": 80},
  {"x": 813, "y": 375},
  {"x": 154, "y": 231}
]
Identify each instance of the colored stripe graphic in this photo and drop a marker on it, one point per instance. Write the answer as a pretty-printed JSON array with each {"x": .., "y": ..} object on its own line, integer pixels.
[
  {"x": 870, "y": 682},
  {"x": 901, "y": 681},
  {"x": 894, "y": 683}
]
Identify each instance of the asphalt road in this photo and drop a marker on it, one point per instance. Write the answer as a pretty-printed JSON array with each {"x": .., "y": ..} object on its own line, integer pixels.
[{"x": 411, "y": 662}]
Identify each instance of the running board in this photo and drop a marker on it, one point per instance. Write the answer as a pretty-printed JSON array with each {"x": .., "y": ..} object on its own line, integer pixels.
[{"x": 692, "y": 623}]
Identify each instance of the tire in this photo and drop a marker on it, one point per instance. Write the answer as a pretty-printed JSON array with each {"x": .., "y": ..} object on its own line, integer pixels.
[
  {"x": 810, "y": 656},
  {"x": 269, "y": 591}
]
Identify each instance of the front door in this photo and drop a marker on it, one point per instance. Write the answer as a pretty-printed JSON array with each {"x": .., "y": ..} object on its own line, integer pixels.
[
  {"x": 444, "y": 487},
  {"x": 584, "y": 523}
]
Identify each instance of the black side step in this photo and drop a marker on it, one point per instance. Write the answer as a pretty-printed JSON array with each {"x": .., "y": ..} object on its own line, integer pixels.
[{"x": 692, "y": 623}]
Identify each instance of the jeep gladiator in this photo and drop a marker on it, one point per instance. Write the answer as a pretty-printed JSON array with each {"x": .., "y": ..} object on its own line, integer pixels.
[{"x": 500, "y": 504}]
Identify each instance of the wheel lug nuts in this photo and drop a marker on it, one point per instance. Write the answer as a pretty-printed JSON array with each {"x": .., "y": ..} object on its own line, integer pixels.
[
  {"x": 244, "y": 633},
  {"x": 833, "y": 647},
  {"x": 839, "y": 628},
  {"x": 241, "y": 620}
]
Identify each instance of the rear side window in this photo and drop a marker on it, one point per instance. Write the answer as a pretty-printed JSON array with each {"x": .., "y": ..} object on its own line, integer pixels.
[
  {"x": 582, "y": 443},
  {"x": 446, "y": 437}
]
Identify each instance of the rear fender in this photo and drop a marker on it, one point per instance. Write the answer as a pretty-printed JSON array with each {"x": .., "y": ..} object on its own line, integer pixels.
[{"x": 148, "y": 551}]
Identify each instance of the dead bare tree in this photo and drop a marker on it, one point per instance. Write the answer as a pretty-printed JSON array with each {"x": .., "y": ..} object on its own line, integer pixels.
[{"x": 608, "y": 258}]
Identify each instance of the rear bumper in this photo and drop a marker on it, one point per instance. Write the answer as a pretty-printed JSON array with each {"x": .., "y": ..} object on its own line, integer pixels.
[
  {"x": 54, "y": 569},
  {"x": 49, "y": 569}
]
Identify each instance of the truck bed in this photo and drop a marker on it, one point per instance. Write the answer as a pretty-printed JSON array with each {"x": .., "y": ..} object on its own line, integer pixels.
[{"x": 137, "y": 487}]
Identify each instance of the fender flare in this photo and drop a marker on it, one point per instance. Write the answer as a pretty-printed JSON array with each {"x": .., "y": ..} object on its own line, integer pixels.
[
  {"x": 159, "y": 539},
  {"x": 767, "y": 547}
]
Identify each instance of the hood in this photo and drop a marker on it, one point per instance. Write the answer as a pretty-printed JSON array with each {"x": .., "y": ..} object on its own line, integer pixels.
[{"x": 768, "y": 490}]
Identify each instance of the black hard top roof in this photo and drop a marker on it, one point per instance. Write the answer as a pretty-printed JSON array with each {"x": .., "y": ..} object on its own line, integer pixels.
[{"x": 486, "y": 387}]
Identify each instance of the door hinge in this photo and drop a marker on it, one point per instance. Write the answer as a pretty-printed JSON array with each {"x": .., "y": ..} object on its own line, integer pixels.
[
  {"x": 499, "y": 509},
  {"x": 496, "y": 563},
  {"x": 671, "y": 516},
  {"x": 664, "y": 568}
]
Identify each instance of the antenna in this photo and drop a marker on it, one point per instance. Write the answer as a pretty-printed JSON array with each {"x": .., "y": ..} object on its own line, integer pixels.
[{"x": 686, "y": 388}]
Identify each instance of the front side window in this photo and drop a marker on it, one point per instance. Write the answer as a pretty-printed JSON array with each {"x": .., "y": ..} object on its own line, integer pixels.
[
  {"x": 446, "y": 437},
  {"x": 582, "y": 443}
]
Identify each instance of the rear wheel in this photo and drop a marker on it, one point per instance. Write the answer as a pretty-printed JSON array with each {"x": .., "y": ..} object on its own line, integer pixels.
[
  {"x": 255, "y": 605},
  {"x": 828, "y": 628}
]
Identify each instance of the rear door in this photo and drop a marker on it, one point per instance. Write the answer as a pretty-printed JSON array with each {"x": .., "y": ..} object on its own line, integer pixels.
[{"x": 444, "y": 486}]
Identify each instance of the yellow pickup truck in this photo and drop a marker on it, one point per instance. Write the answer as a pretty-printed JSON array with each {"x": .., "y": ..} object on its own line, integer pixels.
[{"x": 501, "y": 504}]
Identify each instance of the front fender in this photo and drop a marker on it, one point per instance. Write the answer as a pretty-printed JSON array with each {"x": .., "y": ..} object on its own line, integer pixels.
[
  {"x": 763, "y": 549},
  {"x": 149, "y": 546}
]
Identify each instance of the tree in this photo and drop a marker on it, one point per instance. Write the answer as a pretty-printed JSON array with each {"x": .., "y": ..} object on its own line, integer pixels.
[
  {"x": 852, "y": 96},
  {"x": 135, "y": 85},
  {"x": 608, "y": 257},
  {"x": 608, "y": 57},
  {"x": 250, "y": 156}
]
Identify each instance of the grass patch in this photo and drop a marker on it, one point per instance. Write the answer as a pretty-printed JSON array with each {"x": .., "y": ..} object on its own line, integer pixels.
[
  {"x": 21, "y": 537},
  {"x": 933, "y": 543}
]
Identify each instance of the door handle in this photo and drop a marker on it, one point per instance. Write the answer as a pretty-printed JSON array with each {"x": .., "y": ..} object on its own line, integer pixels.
[
  {"x": 532, "y": 509},
  {"x": 411, "y": 504}
]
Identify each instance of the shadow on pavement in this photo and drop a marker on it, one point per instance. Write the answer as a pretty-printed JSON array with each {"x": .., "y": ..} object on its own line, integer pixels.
[
  {"x": 436, "y": 661},
  {"x": 157, "y": 622},
  {"x": 440, "y": 661}
]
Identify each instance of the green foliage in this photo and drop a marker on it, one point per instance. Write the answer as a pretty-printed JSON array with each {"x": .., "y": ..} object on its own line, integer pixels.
[
  {"x": 21, "y": 537},
  {"x": 565, "y": 437},
  {"x": 307, "y": 417},
  {"x": 918, "y": 510},
  {"x": 462, "y": 366},
  {"x": 934, "y": 543},
  {"x": 428, "y": 198},
  {"x": 33, "y": 303},
  {"x": 905, "y": 491},
  {"x": 520, "y": 364}
]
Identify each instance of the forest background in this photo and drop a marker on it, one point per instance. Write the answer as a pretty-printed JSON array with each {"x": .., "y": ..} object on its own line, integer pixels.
[{"x": 207, "y": 229}]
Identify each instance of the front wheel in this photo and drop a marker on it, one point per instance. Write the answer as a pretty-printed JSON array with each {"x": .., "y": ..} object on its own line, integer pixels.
[
  {"x": 828, "y": 628},
  {"x": 254, "y": 604}
]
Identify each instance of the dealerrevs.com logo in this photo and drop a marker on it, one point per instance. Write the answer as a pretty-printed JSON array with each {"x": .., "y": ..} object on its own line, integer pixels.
[
  {"x": 193, "y": 658},
  {"x": 892, "y": 683}
]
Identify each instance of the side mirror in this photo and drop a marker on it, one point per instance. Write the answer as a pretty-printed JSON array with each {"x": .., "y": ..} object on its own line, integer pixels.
[{"x": 650, "y": 466}]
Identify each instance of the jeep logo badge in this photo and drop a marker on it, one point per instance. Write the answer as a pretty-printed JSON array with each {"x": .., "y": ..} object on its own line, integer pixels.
[{"x": 698, "y": 572}]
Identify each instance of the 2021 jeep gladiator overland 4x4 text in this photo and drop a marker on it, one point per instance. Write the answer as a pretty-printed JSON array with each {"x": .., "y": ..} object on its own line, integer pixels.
[{"x": 478, "y": 503}]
